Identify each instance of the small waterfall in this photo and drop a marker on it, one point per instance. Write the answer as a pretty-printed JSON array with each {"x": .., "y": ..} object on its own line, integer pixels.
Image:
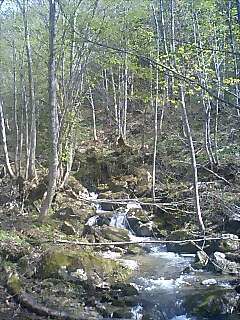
[{"x": 119, "y": 219}]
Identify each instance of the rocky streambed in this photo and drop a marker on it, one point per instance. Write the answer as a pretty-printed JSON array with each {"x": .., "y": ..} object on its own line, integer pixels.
[
  {"x": 70, "y": 269},
  {"x": 185, "y": 284}
]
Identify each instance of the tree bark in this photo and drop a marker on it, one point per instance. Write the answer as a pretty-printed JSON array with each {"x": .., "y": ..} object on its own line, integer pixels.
[
  {"x": 193, "y": 160},
  {"x": 4, "y": 141},
  {"x": 31, "y": 174},
  {"x": 53, "y": 161},
  {"x": 15, "y": 113}
]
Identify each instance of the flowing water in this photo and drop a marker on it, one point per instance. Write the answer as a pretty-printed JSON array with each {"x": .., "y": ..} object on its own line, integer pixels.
[{"x": 166, "y": 293}]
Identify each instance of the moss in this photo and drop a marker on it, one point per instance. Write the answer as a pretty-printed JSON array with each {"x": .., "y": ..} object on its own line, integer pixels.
[
  {"x": 90, "y": 262},
  {"x": 14, "y": 284}
]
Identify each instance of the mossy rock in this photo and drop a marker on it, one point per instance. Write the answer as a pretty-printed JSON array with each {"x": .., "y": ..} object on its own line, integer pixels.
[
  {"x": 93, "y": 265},
  {"x": 14, "y": 284},
  {"x": 215, "y": 303},
  {"x": 12, "y": 247},
  {"x": 114, "y": 234},
  {"x": 113, "y": 195},
  {"x": 180, "y": 235}
]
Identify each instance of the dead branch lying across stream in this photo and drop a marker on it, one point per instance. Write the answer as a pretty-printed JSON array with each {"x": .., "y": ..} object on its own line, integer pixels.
[
  {"x": 135, "y": 200},
  {"x": 118, "y": 243}
]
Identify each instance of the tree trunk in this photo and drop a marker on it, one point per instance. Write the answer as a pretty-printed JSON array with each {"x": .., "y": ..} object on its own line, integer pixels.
[
  {"x": 193, "y": 160},
  {"x": 15, "y": 115},
  {"x": 53, "y": 161},
  {"x": 4, "y": 141},
  {"x": 155, "y": 109},
  {"x": 93, "y": 114},
  {"x": 31, "y": 174}
]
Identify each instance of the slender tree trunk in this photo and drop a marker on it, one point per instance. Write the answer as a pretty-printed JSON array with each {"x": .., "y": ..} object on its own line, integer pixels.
[
  {"x": 233, "y": 48},
  {"x": 105, "y": 85},
  {"x": 4, "y": 141},
  {"x": 205, "y": 100},
  {"x": 31, "y": 174},
  {"x": 115, "y": 101},
  {"x": 156, "y": 102},
  {"x": 15, "y": 116},
  {"x": 69, "y": 163},
  {"x": 125, "y": 96},
  {"x": 53, "y": 164},
  {"x": 193, "y": 160},
  {"x": 93, "y": 114},
  {"x": 120, "y": 133}
]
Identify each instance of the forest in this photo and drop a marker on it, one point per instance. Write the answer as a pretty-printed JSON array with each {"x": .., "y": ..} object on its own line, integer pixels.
[{"x": 120, "y": 159}]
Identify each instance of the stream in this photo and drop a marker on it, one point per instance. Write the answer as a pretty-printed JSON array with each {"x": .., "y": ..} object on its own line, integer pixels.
[{"x": 166, "y": 292}]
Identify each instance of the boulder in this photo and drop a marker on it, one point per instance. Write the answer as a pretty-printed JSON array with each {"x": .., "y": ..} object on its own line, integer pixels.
[
  {"x": 214, "y": 303},
  {"x": 81, "y": 264},
  {"x": 98, "y": 234},
  {"x": 123, "y": 289},
  {"x": 98, "y": 220},
  {"x": 221, "y": 264},
  {"x": 201, "y": 260},
  {"x": 187, "y": 247},
  {"x": 209, "y": 282},
  {"x": 114, "y": 234},
  {"x": 145, "y": 230},
  {"x": 68, "y": 228}
]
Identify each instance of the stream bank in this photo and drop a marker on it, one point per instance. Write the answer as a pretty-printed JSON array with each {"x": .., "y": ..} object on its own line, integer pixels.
[{"x": 153, "y": 281}]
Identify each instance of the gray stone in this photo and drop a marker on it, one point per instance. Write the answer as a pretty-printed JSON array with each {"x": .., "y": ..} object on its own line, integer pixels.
[
  {"x": 209, "y": 282},
  {"x": 201, "y": 259},
  {"x": 221, "y": 264}
]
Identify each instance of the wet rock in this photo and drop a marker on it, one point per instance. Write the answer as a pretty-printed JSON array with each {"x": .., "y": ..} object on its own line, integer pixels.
[
  {"x": 138, "y": 214},
  {"x": 201, "y": 260},
  {"x": 214, "y": 303},
  {"x": 221, "y": 264},
  {"x": 68, "y": 228},
  {"x": 145, "y": 230},
  {"x": 114, "y": 234},
  {"x": 181, "y": 247},
  {"x": 122, "y": 314},
  {"x": 209, "y": 282},
  {"x": 123, "y": 289},
  {"x": 64, "y": 214}
]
